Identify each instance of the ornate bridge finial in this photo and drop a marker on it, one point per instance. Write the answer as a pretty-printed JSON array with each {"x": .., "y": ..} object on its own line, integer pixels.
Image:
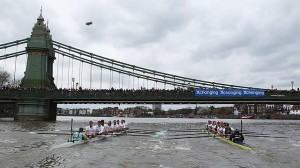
[{"x": 41, "y": 16}]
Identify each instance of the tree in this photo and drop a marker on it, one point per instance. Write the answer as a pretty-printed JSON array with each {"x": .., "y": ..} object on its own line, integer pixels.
[
  {"x": 4, "y": 78},
  {"x": 211, "y": 109}
]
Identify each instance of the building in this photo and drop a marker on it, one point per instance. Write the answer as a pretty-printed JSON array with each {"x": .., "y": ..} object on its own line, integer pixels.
[
  {"x": 156, "y": 107},
  {"x": 236, "y": 112},
  {"x": 80, "y": 111},
  {"x": 252, "y": 109},
  {"x": 295, "y": 110}
]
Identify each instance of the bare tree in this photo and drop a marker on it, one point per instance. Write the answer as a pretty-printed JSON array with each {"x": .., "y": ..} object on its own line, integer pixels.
[{"x": 4, "y": 78}]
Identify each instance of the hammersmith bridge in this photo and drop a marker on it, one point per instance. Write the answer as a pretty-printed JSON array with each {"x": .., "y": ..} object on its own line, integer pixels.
[{"x": 38, "y": 93}]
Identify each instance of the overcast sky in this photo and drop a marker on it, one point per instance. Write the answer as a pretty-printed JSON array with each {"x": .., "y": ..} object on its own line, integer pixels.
[{"x": 250, "y": 42}]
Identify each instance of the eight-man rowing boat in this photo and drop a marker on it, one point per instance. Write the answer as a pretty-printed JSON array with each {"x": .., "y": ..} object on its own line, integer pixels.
[
  {"x": 73, "y": 143},
  {"x": 97, "y": 138},
  {"x": 242, "y": 146}
]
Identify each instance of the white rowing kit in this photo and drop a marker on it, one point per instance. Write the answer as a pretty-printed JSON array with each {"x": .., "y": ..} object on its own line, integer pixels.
[{"x": 90, "y": 130}]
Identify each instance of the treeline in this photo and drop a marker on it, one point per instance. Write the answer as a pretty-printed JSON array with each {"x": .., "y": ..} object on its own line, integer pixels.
[{"x": 8, "y": 110}]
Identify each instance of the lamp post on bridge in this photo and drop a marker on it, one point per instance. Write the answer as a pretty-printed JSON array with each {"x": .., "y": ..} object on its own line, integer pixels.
[
  {"x": 292, "y": 82},
  {"x": 73, "y": 80},
  {"x": 76, "y": 85}
]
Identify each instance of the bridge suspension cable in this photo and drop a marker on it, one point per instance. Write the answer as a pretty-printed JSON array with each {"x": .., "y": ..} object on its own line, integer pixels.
[
  {"x": 139, "y": 71},
  {"x": 62, "y": 71},
  {"x": 154, "y": 79},
  {"x": 81, "y": 81},
  {"x": 15, "y": 69},
  {"x": 57, "y": 77},
  {"x": 4, "y": 62},
  {"x": 15, "y": 54},
  {"x": 69, "y": 72},
  {"x": 14, "y": 43}
]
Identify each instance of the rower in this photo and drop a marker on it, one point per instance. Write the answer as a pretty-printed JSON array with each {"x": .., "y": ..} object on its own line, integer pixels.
[
  {"x": 122, "y": 125},
  {"x": 79, "y": 136},
  {"x": 237, "y": 137},
  {"x": 125, "y": 125},
  {"x": 90, "y": 131},
  {"x": 109, "y": 128},
  {"x": 99, "y": 128},
  {"x": 216, "y": 128},
  {"x": 114, "y": 126},
  {"x": 104, "y": 126},
  {"x": 213, "y": 126},
  {"x": 220, "y": 130},
  {"x": 227, "y": 130},
  {"x": 209, "y": 125},
  {"x": 119, "y": 125}
]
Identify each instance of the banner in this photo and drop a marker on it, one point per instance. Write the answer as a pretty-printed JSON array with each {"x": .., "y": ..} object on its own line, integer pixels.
[{"x": 229, "y": 92}]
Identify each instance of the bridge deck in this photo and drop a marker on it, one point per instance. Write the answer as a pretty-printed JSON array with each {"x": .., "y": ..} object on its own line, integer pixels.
[{"x": 142, "y": 97}]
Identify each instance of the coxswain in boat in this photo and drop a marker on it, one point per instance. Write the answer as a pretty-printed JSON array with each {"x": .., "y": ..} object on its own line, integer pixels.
[
  {"x": 237, "y": 137},
  {"x": 90, "y": 131},
  {"x": 79, "y": 136},
  {"x": 99, "y": 128}
]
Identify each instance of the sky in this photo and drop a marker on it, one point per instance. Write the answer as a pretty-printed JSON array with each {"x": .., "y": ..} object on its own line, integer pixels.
[{"x": 248, "y": 43}]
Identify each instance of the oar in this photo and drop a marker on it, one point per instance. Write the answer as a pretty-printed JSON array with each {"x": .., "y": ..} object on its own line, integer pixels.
[
  {"x": 190, "y": 129},
  {"x": 188, "y": 137},
  {"x": 138, "y": 135},
  {"x": 136, "y": 129},
  {"x": 53, "y": 133},
  {"x": 262, "y": 136},
  {"x": 253, "y": 133},
  {"x": 142, "y": 132},
  {"x": 199, "y": 133},
  {"x": 186, "y": 130}
]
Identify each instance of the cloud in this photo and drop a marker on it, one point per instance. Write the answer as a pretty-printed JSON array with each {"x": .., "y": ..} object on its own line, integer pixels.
[{"x": 249, "y": 43}]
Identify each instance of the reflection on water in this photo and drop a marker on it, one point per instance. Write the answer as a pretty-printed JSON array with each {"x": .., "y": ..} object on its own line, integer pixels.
[
  {"x": 158, "y": 142},
  {"x": 35, "y": 125}
]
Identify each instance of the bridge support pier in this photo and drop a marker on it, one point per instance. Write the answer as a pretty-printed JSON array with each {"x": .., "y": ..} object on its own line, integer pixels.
[
  {"x": 38, "y": 74},
  {"x": 36, "y": 110}
]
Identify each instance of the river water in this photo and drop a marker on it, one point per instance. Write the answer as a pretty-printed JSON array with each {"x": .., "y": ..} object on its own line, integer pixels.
[{"x": 275, "y": 143}]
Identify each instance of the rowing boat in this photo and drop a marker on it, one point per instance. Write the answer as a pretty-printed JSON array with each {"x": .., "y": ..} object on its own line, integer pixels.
[
  {"x": 73, "y": 143},
  {"x": 242, "y": 146},
  {"x": 97, "y": 138}
]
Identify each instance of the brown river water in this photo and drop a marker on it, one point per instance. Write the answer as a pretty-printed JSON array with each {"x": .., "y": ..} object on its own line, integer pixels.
[{"x": 174, "y": 142}]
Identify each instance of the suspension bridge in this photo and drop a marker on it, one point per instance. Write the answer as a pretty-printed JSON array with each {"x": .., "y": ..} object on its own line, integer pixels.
[{"x": 85, "y": 77}]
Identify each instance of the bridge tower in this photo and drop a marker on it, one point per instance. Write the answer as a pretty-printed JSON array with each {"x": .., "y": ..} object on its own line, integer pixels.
[{"x": 38, "y": 74}]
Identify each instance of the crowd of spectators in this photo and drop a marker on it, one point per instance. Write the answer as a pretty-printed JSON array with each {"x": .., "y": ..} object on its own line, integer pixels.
[
  {"x": 97, "y": 92},
  {"x": 177, "y": 91}
]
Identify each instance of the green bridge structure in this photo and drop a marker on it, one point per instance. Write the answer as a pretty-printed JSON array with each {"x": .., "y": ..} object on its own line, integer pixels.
[{"x": 37, "y": 95}]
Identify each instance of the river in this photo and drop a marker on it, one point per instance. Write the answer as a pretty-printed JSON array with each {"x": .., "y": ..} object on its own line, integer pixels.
[{"x": 275, "y": 144}]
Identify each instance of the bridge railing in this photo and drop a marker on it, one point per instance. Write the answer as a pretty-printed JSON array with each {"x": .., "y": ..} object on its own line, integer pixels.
[{"x": 151, "y": 95}]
